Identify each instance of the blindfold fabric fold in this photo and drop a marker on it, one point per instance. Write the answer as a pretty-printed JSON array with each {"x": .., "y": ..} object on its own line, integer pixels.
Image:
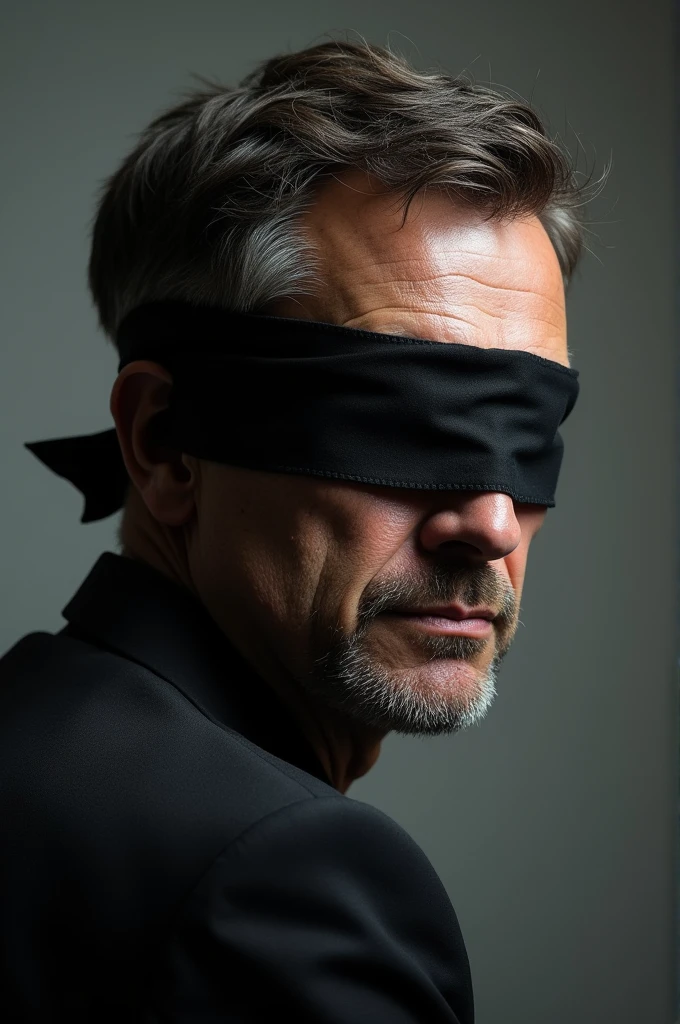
[{"x": 303, "y": 397}]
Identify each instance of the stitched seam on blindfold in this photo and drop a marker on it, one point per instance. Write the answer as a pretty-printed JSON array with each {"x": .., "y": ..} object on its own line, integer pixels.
[
  {"x": 404, "y": 483},
  {"x": 393, "y": 339}
]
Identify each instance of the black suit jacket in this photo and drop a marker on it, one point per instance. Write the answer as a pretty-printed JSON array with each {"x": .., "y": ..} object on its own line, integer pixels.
[{"x": 172, "y": 850}]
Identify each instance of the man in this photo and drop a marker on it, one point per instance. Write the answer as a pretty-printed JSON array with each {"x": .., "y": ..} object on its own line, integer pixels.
[{"x": 337, "y": 293}]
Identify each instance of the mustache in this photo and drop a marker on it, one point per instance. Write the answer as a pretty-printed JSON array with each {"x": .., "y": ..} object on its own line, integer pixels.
[{"x": 466, "y": 584}]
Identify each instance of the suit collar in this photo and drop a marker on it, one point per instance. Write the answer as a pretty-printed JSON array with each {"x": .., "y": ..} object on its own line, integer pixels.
[{"x": 135, "y": 610}]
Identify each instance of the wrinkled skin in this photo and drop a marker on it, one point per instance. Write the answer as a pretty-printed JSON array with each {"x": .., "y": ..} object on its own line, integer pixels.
[{"x": 302, "y": 573}]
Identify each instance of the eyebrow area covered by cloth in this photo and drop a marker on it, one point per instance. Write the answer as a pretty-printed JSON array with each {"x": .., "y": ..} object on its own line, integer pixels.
[{"x": 305, "y": 397}]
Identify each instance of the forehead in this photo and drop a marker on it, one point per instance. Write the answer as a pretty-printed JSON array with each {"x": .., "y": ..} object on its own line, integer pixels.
[{"x": 447, "y": 273}]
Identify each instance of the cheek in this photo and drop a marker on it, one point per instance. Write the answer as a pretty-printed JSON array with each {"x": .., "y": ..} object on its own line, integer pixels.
[
  {"x": 248, "y": 544},
  {"x": 313, "y": 564},
  {"x": 367, "y": 541},
  {"x": 366, "y": 526},
  {"x": 289, "y": 549}
]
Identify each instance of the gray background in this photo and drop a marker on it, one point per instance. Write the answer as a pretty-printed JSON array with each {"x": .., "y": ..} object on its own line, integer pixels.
[{"x": 553, "y": 823}]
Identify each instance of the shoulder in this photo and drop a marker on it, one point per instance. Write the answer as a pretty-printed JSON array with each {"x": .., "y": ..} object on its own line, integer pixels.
[
  {"x": 354, "y": 836},
  {"x": 337, "y": 852},
  {"x": 99, "y": 746},
  {"x": 332, "y": 898}
]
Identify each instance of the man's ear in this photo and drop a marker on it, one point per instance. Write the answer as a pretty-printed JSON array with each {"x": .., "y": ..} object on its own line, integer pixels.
[{"x": 164, "y": 477}]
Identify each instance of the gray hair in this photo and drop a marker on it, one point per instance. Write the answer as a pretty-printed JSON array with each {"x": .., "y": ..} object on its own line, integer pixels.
[{"x": 207, "y": 206}]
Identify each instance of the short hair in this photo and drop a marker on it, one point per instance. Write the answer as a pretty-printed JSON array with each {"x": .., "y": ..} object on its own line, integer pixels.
[{"x": 206, "y": 207}]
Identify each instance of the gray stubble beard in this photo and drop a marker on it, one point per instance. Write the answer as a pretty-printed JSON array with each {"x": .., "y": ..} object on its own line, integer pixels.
[{"x": 347, "y": 679}]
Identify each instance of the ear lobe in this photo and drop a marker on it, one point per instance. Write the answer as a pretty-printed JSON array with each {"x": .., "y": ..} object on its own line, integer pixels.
[{"x": 168, "y": 491}]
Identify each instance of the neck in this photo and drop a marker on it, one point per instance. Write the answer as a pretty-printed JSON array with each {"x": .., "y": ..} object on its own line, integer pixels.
[{"x": 346, "y": 750}]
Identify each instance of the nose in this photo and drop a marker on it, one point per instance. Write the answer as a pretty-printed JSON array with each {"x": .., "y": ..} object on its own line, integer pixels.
[{"x": 478, "y": 525}]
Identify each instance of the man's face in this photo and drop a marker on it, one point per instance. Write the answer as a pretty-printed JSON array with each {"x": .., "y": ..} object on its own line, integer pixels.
[{"x": 320, "y": 580}]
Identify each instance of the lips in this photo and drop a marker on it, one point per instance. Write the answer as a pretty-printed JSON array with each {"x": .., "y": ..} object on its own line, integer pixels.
[
  {"x": 456, "y": 612},
  {"x": 441, "y": 621}
]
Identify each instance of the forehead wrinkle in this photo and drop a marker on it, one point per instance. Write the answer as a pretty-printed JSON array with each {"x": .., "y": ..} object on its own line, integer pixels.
[
  {"x": 422, "y": 276},
  {"x": 409, "y": 281},
  {"x": 404, "y": 309},
  {"x": 463, "y": 331},
  {"x": 511, "y": 314},
  {"x": 498, "y": 287},
  {"x": 435, "y": 304},
  {"x": 425, "y": 312}
]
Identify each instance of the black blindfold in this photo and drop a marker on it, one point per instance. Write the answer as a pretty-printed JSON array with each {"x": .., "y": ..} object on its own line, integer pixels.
[{"x": 301, "y": 397}]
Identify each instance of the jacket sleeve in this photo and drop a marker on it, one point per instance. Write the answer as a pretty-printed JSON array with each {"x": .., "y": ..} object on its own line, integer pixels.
[{"x": 324, "y": 912}]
